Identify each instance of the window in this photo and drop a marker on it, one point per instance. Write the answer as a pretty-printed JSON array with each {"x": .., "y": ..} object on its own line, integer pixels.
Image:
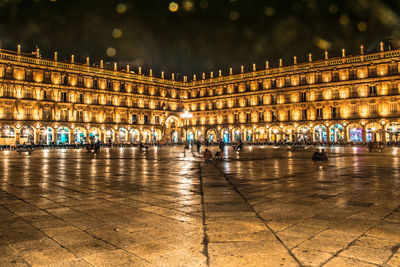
[
  {"x": 303, "y": 97},
  {"x": 273, "y": 115},
  {"x": 122, "y": 87},
  {"x": 64, "y": 115},
  {"x": 260, "y": 85},
  {"x": 109, "y": 100},
  {"x": 248, "y": 87},
  {"x": 335, "y": 113},
  {"x": 28, "y": 113},
  {"x": 145, "y": 119},
  {"x": 260, "y": 116},
  {"x": 8, "y": 112},
  {"x": 28, "y": 93},
  {"x": 109, "y": 117},
  {"x": 273, "y": 99},
  {"x": 95, "y": 84},
  {"x": 79, "y": 116},
  {"x": 134, "y": 119},
  {"x": 319, "y": 114},
  {"x": 80, "y": 98},
  {"x": 304, "y": 114},
  {"x": 157, "y": 119},
  {"x": 248, "y": 117},
  {"x": 8, "y": 91},
  {"x": 46, "y": 114},
  {"x": 109, "y": 85},
  {"x": 372, "y": 90},
  {"x": 64, "y": 97},
  {"x": 95, "y": 99}
]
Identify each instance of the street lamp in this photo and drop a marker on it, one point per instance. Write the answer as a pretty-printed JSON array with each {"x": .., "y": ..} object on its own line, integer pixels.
[{"x": 186, "y": 115}]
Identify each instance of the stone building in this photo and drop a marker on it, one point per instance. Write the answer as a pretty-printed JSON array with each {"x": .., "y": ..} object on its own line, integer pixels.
[{"x": 351, "y": 98}]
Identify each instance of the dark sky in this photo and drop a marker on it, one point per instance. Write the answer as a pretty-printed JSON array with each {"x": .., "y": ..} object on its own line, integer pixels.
[{"x": 202, "y": 35}]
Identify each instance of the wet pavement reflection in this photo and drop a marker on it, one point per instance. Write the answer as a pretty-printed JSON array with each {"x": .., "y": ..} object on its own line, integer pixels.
[{"x": 264, "y": 206}]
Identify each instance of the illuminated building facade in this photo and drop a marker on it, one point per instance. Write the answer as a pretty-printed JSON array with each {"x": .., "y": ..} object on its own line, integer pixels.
[{"x": 351, "y": 98}]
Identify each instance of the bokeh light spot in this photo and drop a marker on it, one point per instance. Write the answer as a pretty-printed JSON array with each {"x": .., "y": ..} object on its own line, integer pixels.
[
  {"x": 362, "y": 26},
  {"x": 121, "y": 8},
  {"x": 117, "y": 33},
  {"x": 269, "y": 11},
  {"x": 111, "y": 52},
  {"x": 234, "y": 15},
  {"x": 248, "y": 32},
  {"x": 333, "y": 9},
  {"x": 188, "y": 5},
  {"x": 203, "y": 4},
  {"x": 344, "y": 20},
  {"x": 321, "y": 43},
  {"x": 173, "y": 7}
]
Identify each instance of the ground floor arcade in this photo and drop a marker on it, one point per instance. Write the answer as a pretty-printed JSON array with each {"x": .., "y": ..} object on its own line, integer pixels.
[{"x": 346, "y": 131}]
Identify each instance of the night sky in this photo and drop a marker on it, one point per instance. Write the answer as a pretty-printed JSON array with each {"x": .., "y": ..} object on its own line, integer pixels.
[{"x": 195, "y": 36}]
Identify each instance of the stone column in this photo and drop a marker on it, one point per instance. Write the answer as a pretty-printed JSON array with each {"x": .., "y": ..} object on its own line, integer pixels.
[
  {"x": 364, "y": 134},
  {"x": 345, "y": 134},
  {"x": 328, "y": 134},
  {"x": 102, "y": 137},
  {"x": 17, "y": 136},
  {"x": 70, "y": 137},
  {"x": 37, "y": 136}
]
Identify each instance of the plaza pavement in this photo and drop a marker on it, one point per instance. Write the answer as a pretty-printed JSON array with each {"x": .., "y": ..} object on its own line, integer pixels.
[{"x": 260, "y": 207}]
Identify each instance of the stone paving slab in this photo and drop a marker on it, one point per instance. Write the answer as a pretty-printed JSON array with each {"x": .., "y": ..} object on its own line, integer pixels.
[{"x": 260, "y": 207}]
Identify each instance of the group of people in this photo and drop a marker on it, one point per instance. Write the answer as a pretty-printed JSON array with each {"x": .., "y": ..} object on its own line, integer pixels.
[
  {"x": 94, "y": 146},
  {"x": 320, "y": 155}
]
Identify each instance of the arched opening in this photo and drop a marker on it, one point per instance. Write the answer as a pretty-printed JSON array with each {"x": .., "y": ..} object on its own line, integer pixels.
[
  {"x": 7, "y": 135},
  {"x": 289, "y": 134},
  {"x": 248, "y": 135},
  {"x": 62, "y": 135},
  {"x": 156, "y": 135},
  {"x": 122, "y": 135},
  {"x": 79, "y": 135},
  {"x": 146, "y": 136},
  {"x": 200, "y": 135},
  {"x": 393, "y": 131},
  {"x": 261, "y": 135},
  {"x": 27, "y": 135},
  {"x": 174, "y": 137},
  {"x": 109, "y": 135},
  {"x": 304, "y": 133},
  {"x": 190, "y": 136},
  {"x": 211, "y": 136},
  {"x": 227, "y": 137},
  {"x": 237, "y": 135},
  {"x": 94, "y": 135},
  {"x": 46, "y": 135},
  {"x": 320, "y": 134},
  {"x": 337, "y": 133},
  {"x": 355, "y": 133},
  {"x": 276, "y": 134},
  {"x": 135, "y": 135},
  {"x": 374, "y": 132}
]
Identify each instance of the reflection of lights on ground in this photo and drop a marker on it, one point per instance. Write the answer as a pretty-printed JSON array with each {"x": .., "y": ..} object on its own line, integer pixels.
[{"x": 6, "y": 152}]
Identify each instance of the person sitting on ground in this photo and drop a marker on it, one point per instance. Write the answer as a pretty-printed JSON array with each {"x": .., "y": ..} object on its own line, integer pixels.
[
  {"x": 207, "y": 154},
  {"x": 316, "y": 156},
  {"x": 324, "y": 155},
  {"x": 219, "y": 154},
  {"x": 320, "y": 155}
]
